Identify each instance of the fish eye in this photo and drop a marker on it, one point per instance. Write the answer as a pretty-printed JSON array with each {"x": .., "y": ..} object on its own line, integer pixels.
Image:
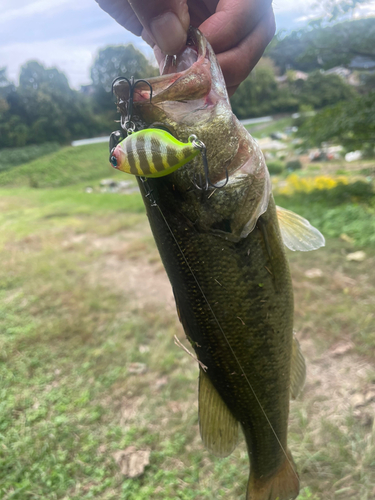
[{"x": 113, "y": 161}]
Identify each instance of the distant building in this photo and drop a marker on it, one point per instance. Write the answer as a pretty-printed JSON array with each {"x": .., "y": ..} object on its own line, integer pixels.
[
  {"x": 347, "y": 74},
  {"x": 292, "y": 75}
]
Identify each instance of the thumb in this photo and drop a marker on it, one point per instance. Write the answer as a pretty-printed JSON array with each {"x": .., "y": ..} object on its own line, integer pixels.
[{"x": 166, "y": 21}]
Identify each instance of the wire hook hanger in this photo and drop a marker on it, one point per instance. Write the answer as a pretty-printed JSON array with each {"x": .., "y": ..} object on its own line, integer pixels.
[{"x": 198, "y": 144}]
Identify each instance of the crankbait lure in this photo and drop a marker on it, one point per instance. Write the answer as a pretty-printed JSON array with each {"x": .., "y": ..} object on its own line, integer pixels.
[{"x": 152, "y": 153}]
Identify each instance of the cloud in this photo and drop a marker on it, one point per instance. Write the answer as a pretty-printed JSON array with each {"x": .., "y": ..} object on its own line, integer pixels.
[
  {"x": 73, "y": 55},
  {"x": 304, "y": 19},
  {"x": 367, "y": 9},
  {"x": 281, "y": 6},
  {"x": 42, "y": 7}
]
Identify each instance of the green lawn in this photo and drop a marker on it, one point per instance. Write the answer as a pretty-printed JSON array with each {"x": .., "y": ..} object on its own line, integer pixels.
[
  {"x": 67, "y": 166},
  {"x": 88, "y": 365},
  {"x": 259, "y": 130}
]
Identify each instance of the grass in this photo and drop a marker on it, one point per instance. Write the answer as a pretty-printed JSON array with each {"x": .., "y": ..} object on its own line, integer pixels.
[
  {"x": 346, "y": 209},
  {"x": 88, "y": 366},
  {"x": 65, "y": 167},
  {"x": 259, "y": 130},
  {"x": 12, "y": 157}
]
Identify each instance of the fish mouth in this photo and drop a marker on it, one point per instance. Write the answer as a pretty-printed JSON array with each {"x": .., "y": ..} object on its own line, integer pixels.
[{"x": 188, "y": 76}]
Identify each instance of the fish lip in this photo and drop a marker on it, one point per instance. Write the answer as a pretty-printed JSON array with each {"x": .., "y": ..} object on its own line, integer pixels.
[{"x": 193, "y": 81}]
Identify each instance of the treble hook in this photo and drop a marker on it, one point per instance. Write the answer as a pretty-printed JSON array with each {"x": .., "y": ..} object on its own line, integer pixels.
[
  {"x": 197, "y": 143},
  {"x": 127, "y": 124}
]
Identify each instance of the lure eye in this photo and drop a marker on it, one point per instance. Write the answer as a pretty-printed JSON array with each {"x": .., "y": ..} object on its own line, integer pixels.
[{"x": 113, "y": 161}]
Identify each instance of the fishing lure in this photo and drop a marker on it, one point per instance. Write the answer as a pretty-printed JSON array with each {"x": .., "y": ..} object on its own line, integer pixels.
[{"x": 152, "y": 153}]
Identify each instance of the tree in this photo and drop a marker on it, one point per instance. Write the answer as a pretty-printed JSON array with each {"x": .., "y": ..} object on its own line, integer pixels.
[
  {"x": 320, "y": 90},
  {"x": 43, "y": 108},
  {"x": 110, "y": 63},
  {"x": 34, "y": 76},
  {"x": 351, "y": 123},
  {"x": 119, "y": 60},
  {"x": 324, "y": 45},
  {"x": 260, "y": 94},
  {"x": 286, "y": 50},
  {"x": 6, "y": 87},
  {"x": 342, "y": 44}
]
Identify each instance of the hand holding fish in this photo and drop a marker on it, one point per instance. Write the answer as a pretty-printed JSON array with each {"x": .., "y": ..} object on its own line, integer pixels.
[{"x": 238, "y": 30}]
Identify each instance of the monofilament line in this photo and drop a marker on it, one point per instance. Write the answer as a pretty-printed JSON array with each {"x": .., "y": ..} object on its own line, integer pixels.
[{"x": 226, "y": 339}]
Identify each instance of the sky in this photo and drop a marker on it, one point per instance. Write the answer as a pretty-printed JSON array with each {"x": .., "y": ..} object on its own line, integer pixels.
[{"x": 67, "y": 34}]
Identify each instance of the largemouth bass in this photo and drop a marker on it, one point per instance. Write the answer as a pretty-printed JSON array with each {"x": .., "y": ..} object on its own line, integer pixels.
[{"x": 224, "y": 254}]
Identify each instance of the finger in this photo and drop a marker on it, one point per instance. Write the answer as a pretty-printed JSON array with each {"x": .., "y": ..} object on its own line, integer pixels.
[
  {"x": 232, "y": 22},
  {"x": 232, "y": 90},
  {"x": 121, "y": 11},
  {"x": 237, "y": 63},
  {"x": 199, "y": 12},
  {"x": 166, "y": 21}
]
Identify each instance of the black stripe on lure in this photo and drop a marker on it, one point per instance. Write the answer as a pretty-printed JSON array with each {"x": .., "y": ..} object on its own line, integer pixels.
[{"x": 152, "y": 153}]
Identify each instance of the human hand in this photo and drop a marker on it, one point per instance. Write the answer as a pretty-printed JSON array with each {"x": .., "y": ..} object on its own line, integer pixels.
[{"x": 238, "y": 30}]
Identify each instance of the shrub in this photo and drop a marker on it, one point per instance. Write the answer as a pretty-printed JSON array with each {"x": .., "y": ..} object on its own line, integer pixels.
[
  {"x": 293, "y": 165},
  {"x": 11, "y": 157},
  {"x": 275, "y": 167}
]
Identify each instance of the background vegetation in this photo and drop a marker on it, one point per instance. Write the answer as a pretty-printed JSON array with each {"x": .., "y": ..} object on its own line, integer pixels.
[
  {"x": 88, "y": 364},
  {"x": 294, "y": 76}
]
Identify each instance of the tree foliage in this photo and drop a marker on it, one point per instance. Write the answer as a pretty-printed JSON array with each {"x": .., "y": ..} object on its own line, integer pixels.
[
  {"x": 260, "y": 94},
  {"x": 324, "y": 46},
  {"x": 320, "y": 90},
  {"x": 351, "y": 123},
  {"x": 44, "y": 108},
  {"x": 119, "y": 60},
  {"x": 112, "y": 62}
]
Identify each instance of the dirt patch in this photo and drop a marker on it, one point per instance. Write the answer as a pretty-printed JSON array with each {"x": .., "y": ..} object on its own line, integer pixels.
[
  {"x": 141, "y": 279},
  {"x": 338, "y": 384},
  {"x": 141, "y": 282}
]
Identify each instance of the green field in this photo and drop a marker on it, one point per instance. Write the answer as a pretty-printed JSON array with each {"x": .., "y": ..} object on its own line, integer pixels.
[
  {"x": 259, "y": 130},
  {"x": 88, "y": 364}
]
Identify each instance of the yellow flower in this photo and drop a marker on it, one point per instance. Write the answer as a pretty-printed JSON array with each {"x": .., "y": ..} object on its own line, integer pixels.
[{"x": 295, "y": 184}]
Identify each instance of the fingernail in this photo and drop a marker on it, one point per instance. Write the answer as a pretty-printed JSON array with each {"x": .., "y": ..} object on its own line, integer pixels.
[{"x": 168, "y": 33}]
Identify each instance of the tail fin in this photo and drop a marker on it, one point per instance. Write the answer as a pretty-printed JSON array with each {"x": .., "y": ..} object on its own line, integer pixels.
[{"x": 283, "y": 485}]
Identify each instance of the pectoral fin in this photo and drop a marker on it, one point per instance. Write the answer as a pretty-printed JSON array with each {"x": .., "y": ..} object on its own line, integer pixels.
[
  {"x": 298, "y": 370},
  {"x": 218, "y": 427},
  {"x": 297, "y": 232}
]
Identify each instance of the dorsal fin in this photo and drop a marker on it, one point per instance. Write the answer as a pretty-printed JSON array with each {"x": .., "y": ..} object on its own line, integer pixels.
[
  {"x": 218, "y": 427},
  {"x": 297, "y": 232}
]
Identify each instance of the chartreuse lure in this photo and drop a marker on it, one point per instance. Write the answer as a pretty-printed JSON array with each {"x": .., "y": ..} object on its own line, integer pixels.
[{"x": 152, "y": 153}]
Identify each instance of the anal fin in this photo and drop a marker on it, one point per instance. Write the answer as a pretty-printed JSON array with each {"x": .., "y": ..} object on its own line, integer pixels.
[
  {"x": 298, "y": 370},
  {"x": 218, "y": 427}
]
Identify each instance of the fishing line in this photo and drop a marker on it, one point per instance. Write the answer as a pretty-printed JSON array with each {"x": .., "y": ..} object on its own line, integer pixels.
[{"x": 154, "y": 204}]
